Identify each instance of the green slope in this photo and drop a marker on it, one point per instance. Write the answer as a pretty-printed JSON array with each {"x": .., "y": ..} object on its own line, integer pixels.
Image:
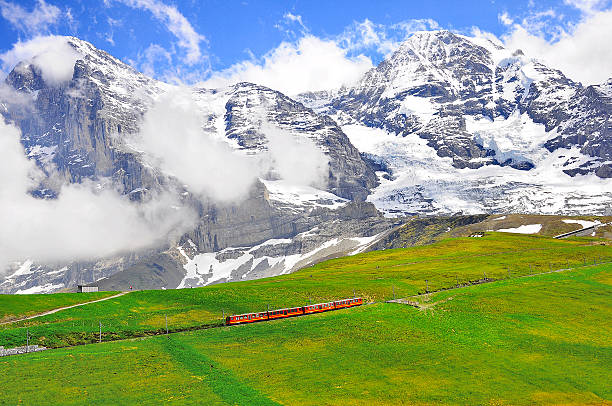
[
  {"x": 374, "y": 275},
  {"x": 538, "y": 340},
  {"x": 13, "y": 307}
]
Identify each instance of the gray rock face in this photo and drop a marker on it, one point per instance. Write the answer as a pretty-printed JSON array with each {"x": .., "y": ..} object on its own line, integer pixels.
[
  {"x": 349, "y": 175},
  {"x": 78, "y": 129}
]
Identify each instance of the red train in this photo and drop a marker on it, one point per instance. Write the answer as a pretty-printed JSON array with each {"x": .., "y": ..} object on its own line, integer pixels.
[{"x": 292, "y": 312}]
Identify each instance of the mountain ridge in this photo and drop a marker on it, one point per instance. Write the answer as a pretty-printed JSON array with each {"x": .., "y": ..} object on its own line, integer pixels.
[{"x": 447, "y": 124}]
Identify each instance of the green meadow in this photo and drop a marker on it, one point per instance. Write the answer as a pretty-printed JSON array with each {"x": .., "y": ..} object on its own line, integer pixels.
[
  {"x": 376, "y": 276},
  {"x": 14, "y": 307},
  {"x": 544, "y": 339}
]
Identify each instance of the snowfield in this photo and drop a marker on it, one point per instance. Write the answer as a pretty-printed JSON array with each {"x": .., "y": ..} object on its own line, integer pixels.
[{"x": 524, "y": 229}]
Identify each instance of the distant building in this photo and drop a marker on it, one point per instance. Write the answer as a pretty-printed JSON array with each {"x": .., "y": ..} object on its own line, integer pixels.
[{"x": 86, "y": 288}]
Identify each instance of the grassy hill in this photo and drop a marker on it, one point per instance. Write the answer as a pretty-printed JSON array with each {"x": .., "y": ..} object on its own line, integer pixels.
[
  {"x": 542, "y": 339},
  {"x": 13, "y": 307},
  {"x": 377, "y": 276}
]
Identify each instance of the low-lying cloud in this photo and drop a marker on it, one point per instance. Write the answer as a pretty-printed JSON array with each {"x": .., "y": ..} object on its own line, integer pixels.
[
  {"x": 82, "y": 223},
  {"x": 171, "y": 138},
  {"x": 52, "y": 54},
  {"x": 294, "y": 158}
]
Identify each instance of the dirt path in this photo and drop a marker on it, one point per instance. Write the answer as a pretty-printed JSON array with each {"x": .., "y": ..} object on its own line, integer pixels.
[
  {"x": 416, "y": 301},
  {"x": 63, "y": 308}
]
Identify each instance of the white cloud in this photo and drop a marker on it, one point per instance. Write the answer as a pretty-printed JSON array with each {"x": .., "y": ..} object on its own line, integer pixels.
[
  {"x": 176, "y": 23},
  {"x": 82, "y": 223},
  {"x": 310, "y": 64},
  {"x": 172, "y": 139},
  {"x": 588, "y": 6},
  {"x": 51, "y": 54},
  {"x": 581, "y": 52},
  {"x": 505, "y": 19},
  {"x": 384, "y": 39},
  {"x": 30, "y": 22},
  {"x": 294, "y": 158},
  {"x": 296, "y": 19}
]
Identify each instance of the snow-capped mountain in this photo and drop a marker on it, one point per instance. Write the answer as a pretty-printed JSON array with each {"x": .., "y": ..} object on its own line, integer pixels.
[
  {"x": 462, "y": 124},
  {"x": 82, "y": 130},
  {"x": 446, "y": 124}
]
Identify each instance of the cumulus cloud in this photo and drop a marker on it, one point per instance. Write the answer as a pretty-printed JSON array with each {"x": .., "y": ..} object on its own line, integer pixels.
[
  {"x": 310, "y": 64},
  {"x": 30, "y": 22},
  {"x": 580, "y": 51},
  {"x": 176, "y": 23},
  {"x": 82, "y": 223},
  {"x": 171, "y": 138},
  {"x": 52, "y": 54}
]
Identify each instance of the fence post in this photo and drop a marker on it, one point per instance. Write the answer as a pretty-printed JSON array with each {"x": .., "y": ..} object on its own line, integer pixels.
[
  {"x": 28, "y": 340},
  {"x": 166, "y": 316},
  {"x": 393, "y": 291},
  {"x": 100, "y": 339},
  {"x": 426, "y": 286}
]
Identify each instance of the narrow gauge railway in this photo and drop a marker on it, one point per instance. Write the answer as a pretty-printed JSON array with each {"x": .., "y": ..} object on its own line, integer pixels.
[{"x": 293, "y": 311}]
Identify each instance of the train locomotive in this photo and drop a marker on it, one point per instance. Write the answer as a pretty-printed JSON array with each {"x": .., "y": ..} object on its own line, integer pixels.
[{"x": 293, "y": 311}]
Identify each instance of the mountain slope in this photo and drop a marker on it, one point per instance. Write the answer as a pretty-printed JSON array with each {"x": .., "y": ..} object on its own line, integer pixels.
[
  {"x": 461, "y": 124},
  {"x": 82, "y": 129}
]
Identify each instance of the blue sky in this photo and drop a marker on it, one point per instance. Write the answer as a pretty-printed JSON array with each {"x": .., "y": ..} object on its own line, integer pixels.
[{"x": 191, "y": 40}]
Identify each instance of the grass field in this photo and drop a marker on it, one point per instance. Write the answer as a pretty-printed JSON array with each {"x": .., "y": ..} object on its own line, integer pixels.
[
  {"x": 13, "y": 307},
  {"x": 544, "y": 339},
  {"x": 375, "y": 276}
]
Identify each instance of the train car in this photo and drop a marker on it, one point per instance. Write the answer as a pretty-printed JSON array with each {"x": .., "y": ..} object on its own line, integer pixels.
[
  {"x": 246, "y": 318},
  {"x": 293, "y": 311},
  {"x": 282, "y": 313},
  {"x": 356, "y": 301},
  {"x": 319, "y": 307}
]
